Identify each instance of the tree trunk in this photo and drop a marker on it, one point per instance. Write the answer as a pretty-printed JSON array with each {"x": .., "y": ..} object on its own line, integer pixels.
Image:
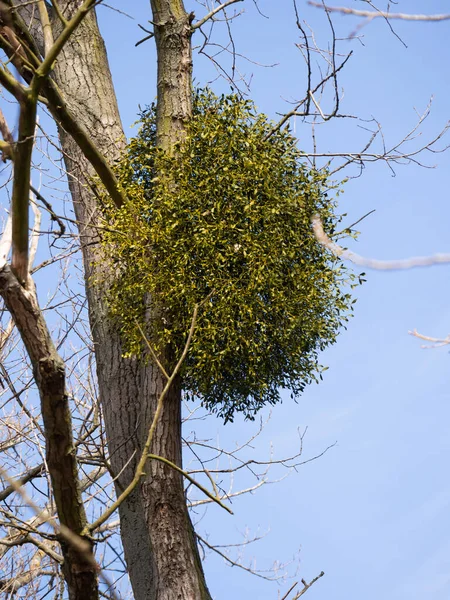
[{"x": 158, "y": 538}]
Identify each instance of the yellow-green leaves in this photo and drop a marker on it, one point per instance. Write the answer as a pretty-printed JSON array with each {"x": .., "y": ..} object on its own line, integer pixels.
[{"x": 226, "y": 219}]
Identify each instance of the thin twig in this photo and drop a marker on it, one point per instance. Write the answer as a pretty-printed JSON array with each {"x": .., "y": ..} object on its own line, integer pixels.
[
  {"x": 368, "y": 14},
  {"x": 140, "y": 469},
  {"x": 211, "y": 14}
]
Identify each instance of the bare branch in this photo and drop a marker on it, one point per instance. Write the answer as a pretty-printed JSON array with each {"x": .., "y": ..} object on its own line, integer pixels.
[
  {"x": 371, "y": 263},
  {"x": 152, "y": 352},
  {"x": 211, "y": 14},
  {"x": 306, "y": 586},
  {"x": 58, "y": 12},
  {"x": 295, "y": 111},
  {"x": 50, "y": 376},
  {"x": 53, "y": 52},
  {"x": 212, "y": 498},
  {"x": 46, "y": 26},
  {"x": 368, "y": 14},
  {"x": 234, "y": 563},
  {"x": 35, "y": 472},
  {"x": 28, "y": 65},
  {"x": 21, "y": 189},
  {"x": 436, "y": 342},
  {"x": 146, "y": 451}
]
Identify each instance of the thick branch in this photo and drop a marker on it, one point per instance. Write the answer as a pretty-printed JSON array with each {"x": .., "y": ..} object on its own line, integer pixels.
[{"x": 21, "y": 189}]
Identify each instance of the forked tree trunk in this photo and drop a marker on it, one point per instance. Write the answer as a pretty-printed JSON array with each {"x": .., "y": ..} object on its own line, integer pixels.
[{"x": 158, "y": 538}]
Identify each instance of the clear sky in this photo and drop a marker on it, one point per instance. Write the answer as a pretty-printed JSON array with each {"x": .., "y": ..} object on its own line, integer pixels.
[{"x": 374, "y": 511}]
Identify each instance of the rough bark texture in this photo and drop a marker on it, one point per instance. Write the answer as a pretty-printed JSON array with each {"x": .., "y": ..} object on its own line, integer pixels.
[
  {"x": 174, "y": 108},
  {"x": 49, "y": 373},
  {"x": 157, "y": 534},
  {"x": 173, "y": 44}
]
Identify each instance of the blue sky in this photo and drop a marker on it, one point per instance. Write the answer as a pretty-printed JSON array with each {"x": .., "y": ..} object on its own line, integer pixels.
[{"x": 373, "y": 512}]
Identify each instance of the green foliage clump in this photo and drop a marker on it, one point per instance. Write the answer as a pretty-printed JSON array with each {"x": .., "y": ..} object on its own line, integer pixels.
[{"x": 225, "y": 219}]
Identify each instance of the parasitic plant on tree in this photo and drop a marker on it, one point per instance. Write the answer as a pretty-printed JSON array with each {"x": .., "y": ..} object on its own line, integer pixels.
[{"x": 224, "y": 219}]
